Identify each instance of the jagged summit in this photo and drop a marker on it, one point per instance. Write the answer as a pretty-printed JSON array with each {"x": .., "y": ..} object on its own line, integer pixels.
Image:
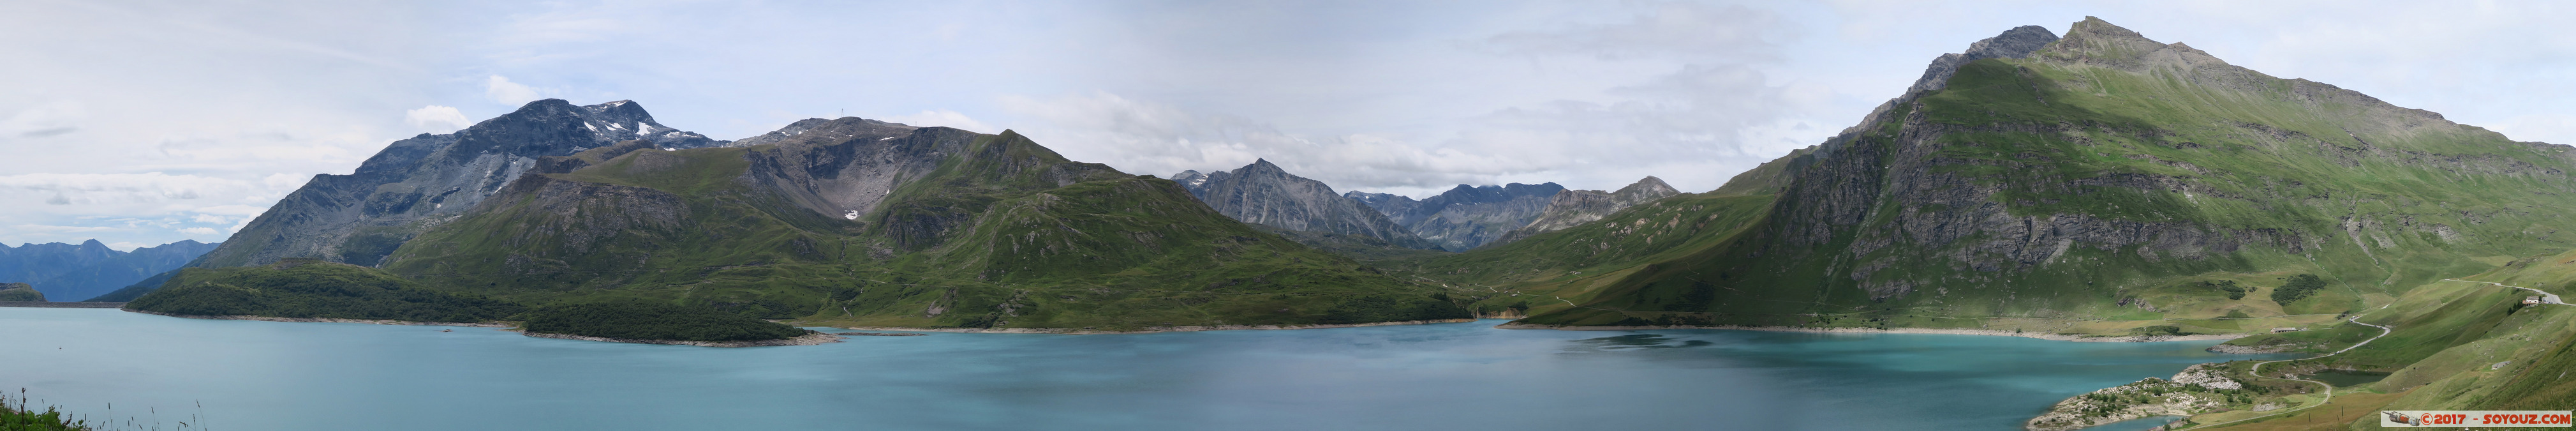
[
  {"x": 1570, "y": 208},
  {"x": 1464, "y": 217},
  {"x": 1263, "y": 193},
  {"x": 2100, "y": 43},
  {"x": 2018, "y": 42}
]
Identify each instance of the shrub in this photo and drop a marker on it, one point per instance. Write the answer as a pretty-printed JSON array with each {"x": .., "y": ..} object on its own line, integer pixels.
[
  {"x": 2300, "y": 286},
  {"x": 653, "y": 321}
]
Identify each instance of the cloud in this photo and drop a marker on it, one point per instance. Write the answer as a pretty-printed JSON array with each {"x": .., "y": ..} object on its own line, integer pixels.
[
  {"x": 944, "y": 118},
  {"x": 500, "y": 89},
  {"x": 44, "y": 121},
  {"x": 436, "y": 119},
  {"x": 154, "y": 206},
  {"x": 1152, "y": 138},
  {"x": 1681, "y": 29},
  {"x": 48, "y": 228}
]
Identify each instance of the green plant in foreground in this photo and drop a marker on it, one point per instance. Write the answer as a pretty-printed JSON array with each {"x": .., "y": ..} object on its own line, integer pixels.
[{"x": 15, "y": 415}]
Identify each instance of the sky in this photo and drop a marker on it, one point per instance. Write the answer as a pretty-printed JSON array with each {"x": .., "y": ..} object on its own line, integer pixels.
[{"x": 146, "y": 122}]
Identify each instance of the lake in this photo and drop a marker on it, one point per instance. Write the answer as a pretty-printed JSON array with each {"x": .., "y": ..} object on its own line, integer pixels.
[{"x": 251, "y": 375}]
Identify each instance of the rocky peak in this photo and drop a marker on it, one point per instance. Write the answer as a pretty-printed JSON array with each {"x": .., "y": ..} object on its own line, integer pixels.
[
  {"x": 1572, "y": 208},
  {"x": 2097, "y": 42},
  {"x": 1649, "y": 186},
  {"x": 1194, "y": 181},
  {"x": 360, "y": 217},
  {"x": 2018, "y": 42},
  {"x": 821, "y": 131},
  {"x": 1263, "y": 193}
]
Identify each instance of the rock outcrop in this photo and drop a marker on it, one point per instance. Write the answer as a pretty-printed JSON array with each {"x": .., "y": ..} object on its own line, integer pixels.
[
  {"x": 2203, "y": 388},
  {"x": 1262, "y": 193},
  {"x": 1574, "y": 207}
]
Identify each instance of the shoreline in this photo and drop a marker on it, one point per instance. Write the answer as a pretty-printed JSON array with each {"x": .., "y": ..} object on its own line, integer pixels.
[
  {"x": 1149, "y": 329},
  {"x": 810, "y": 338},
  {"x": 1990, "y": 332},
  {"x": 323, "y": 320}
]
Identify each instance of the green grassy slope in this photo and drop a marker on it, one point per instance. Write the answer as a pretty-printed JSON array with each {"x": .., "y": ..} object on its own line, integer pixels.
[
  {"x": 1004, "y": 233},
  {"x": 2454, "y": 346},
  {"x": 2096, "y": 181},
  {"x": 306, "y": 288},
  {"x": 652, "y": 321}
]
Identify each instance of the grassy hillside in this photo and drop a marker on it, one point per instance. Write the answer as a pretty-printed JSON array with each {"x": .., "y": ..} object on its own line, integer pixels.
[
  {"x": 2107, "y": 184},
  {"x": 652, "y": 321},
  {"x": 1003, "y": 233},
  {"x": 2454, "y": 346},
  {"x": 305, "y": 288}
]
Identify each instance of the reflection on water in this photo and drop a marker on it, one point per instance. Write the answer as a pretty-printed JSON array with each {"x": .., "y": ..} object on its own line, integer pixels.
[
  {"x": 254, "y": 375},
  {"x": 1635, "y": 341}
]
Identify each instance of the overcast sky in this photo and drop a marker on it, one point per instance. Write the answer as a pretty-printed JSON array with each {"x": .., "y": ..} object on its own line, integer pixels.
[{"x": 140, "y": 123}]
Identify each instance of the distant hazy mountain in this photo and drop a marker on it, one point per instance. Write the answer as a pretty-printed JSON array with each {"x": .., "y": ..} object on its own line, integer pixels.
[
  {"x": 1465, "y": 217},
  {"x": 73, "y": 272},
  {"x": 1574, "y": 207},
  {"x": 417, "y": 183},
  {"x": 1265, "y": 194}
]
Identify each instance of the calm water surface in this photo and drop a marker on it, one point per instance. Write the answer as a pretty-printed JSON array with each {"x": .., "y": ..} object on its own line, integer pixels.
[{"x": 253, "y": 375}]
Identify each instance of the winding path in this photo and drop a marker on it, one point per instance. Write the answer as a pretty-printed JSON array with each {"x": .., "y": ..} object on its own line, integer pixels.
[
  {"x": 2329, "y": 393},
  {"x": 2545, "y": 297}
]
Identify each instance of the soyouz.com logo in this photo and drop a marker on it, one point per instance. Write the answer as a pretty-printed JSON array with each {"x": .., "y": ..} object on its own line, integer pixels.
[{"x": 2473, "y": 418}]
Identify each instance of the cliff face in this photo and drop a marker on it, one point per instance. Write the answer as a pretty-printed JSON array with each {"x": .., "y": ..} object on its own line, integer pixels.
[
  {"x": 1464, "y": 217},
  {"x": 1575, "y": 207},
  {"x": 417, "y": 183},
  {"x": 2081, "y": 177},
  {"x": 1262, "y": 193}
]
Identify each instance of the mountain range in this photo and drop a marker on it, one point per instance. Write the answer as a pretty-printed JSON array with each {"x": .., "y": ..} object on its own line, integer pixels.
[
  {"x": 1465, "y": 217},
  {"x": 2027, "y": 183},
  {"x": 851, "y": 221},
  {"x": 73, "y": 272},
  {"x": 2098, "y": 184}
]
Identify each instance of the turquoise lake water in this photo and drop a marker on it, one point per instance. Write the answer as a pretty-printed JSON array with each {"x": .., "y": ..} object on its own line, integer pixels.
[{"x": 252, "y": 375}]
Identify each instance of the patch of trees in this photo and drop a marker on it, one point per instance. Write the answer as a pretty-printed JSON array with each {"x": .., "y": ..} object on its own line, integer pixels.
[
  {"x": 653, "y": 321},
  {"x": 1373, "y": 309},
  {"x": 2300, "y": 286},
  {"x": 316, "y": 290},
  {"x": 20, "y": 292},
  {"x": 2234, "y": 292}
]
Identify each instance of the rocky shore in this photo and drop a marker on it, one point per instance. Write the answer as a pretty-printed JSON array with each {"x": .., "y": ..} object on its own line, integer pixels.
[
  {"x": 326, "y": 320},
  {"x": 1152, "y": 329},
  {"x": 2038, "y": 335},
  {"x": 2193, "y": 391},
  {"x": 810, "y": 338}
]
